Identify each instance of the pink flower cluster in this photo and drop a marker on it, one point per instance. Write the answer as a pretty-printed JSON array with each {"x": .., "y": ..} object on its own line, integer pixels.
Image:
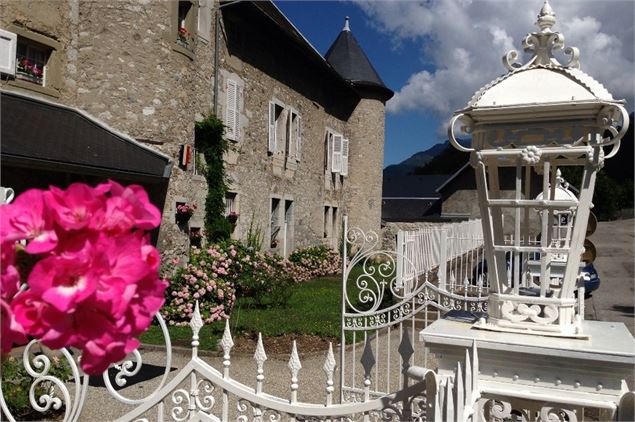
[
  {"x": 316, "y": 261},
  {"x": 208, "y": 279},
  {"x": 95, "y": 283}
]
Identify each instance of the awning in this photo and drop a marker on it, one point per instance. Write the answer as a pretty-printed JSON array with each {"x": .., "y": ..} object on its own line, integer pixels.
[{"x": 43, "y": 135}]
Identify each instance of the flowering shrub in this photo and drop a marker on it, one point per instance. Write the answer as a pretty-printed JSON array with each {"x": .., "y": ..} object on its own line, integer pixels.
[
  {"x": 87, "y": 277},
  {"x": 316, "y": 261},
  {"x": 209, "y": 279}
]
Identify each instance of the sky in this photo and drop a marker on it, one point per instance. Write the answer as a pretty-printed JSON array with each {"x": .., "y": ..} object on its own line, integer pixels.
[{"x": 436, "y": 53}]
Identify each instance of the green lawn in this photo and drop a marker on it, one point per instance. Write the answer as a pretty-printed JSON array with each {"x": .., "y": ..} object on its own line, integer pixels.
[{"x": 313, "y": 308}]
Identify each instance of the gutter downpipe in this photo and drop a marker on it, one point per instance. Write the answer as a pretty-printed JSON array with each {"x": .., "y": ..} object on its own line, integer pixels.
[{"x": 216, "y": 49}]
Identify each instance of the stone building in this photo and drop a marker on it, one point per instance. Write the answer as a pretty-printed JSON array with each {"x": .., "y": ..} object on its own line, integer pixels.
[{"x": 306, "y": 132}]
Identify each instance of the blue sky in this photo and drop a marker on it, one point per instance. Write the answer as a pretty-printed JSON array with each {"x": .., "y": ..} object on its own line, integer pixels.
[
  {"x": 434, "y": 54},
  {"x": 321, "y": 22}
]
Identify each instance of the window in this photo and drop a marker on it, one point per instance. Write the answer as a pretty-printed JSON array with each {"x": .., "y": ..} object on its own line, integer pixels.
[
  {"x": 285, "y": 131},
  {"x": 28, "y": 58},
  {"x": 199, "y": 163},
  {"x": 276, "y": 112},
  {"x": 327, "y": 226},
  {"x": 184, "y": 23},
  {"x": 185, "y": 28},
  {"x": 336, "y": 153},
  {"x": 230, "y": 203},
  {"x": 31, "y": 61},
  {"x": 231, "y": 109},
  {"x": 334, "y": 227},
  {"x": 275, "y": 222}
]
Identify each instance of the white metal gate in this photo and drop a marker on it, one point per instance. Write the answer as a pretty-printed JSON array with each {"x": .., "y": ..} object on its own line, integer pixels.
[{"x": 390, "y": 295}]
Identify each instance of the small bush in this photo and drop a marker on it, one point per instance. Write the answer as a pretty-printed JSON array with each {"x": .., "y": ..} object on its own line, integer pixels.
[
  {"x": 263, "y": 277},
  {"x": 316, "y": 261},
  {"x": 209, "y": 278},
  {"x": 16, "y": 383}
]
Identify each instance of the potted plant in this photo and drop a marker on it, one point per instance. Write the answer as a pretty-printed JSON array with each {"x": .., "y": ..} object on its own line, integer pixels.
[
  {"x": 184, "y": 37},
  {"x": 184, "y": 212},
  {"x": 232, "y": 217}
]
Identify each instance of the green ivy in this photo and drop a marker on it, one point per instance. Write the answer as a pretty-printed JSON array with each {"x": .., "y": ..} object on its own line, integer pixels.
[{"x": 210, "y": 141}]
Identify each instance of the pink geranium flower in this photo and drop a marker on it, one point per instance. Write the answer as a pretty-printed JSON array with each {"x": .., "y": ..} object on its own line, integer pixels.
[
  {"x": 28, "y": 218},
  {"x": 95, "y": 284},
  {"x": 74, "y": 207}
]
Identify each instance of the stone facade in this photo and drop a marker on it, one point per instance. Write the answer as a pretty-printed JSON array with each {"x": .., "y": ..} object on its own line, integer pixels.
[{"x": 124, "y": 63}]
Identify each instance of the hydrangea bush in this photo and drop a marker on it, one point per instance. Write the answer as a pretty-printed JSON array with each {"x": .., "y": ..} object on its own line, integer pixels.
[
  {"x": 208, "y": 278},
  {"x": 215, "y": 276},
  {"x": 313, "y": 262},
  {"x": 87, "y": 276}
]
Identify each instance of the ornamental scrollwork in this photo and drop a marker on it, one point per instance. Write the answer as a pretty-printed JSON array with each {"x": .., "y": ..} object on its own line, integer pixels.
[
  {"x": 133, "y": 364},
  {"x": 556, "y": 413},
  {"x": 519, "y": 312},
  {"x": 542, "y": 44}
]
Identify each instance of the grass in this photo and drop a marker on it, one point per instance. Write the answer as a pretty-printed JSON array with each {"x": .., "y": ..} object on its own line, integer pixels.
[{"x": 313, "y": 308}]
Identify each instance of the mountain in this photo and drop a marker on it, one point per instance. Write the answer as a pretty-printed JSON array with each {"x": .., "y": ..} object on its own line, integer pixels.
[{"x": 417, "y": 160}]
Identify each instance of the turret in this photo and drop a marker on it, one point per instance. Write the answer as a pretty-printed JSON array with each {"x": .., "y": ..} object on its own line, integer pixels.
[{"x": 365, "y": 130}]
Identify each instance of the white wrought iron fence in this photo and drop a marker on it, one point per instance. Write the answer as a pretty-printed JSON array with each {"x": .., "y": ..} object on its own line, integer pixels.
[
  {"x": 198, "y": 391},
  {"x": 388, "y": 295}
]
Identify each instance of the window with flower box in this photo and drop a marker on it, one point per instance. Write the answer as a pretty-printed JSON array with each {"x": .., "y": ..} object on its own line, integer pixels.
[
  {"x": 29, "y": 60},
  {"x": 184, "y": 26}
]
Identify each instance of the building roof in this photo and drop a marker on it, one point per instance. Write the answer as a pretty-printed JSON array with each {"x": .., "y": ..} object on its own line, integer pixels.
[
  {"x": 412, "y": 186},
  {"x": 43, "y": 134},
  {"x": 408, "y": 209},
  {"x": 349, "y": 60}
]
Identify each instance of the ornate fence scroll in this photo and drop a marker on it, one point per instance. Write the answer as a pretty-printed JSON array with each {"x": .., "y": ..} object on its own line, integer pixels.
[
  {"x": 48, "y": 391},
  {"x": 390, "y": 294}
]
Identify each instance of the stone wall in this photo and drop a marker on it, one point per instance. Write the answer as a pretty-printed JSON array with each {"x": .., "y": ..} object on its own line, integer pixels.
[
  {"x": 366, "y": 133},
  {"x": 120, "y": 62}
]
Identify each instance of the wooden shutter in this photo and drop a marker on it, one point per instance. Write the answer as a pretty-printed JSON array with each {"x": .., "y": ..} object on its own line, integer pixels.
[
  {"x": 272, "y": 127},
  {"x": 288, "y": 144},
  {"x": 337, "y": 153},
  {"x": 298, "y": 139},
  {"x": 8, "y": 43},
  {"x": 329, "y": 151},
  {"x": 345, "y": 157},
  {"x": 231, "y": 110},
  {"x": 204, "y": 19}
]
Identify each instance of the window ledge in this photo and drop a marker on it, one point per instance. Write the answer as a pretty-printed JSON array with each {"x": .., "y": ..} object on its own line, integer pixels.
[
  {"x": 185, "y": 51},
  {"x": 198, "y": 178},
  {"x": 34, "y": 87}
]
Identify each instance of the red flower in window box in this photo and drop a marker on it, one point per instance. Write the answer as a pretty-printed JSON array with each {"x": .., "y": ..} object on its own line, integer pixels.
[
  {"x": 232, "y": 217},
  {"x": 184, "y": 35}
]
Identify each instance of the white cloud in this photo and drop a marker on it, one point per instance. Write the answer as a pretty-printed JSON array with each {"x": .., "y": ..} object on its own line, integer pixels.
[{"x": 464, "y": 40}]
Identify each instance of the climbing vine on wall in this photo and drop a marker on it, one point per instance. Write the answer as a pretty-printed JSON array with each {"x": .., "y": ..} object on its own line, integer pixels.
[{"x": 210, "y": 141}]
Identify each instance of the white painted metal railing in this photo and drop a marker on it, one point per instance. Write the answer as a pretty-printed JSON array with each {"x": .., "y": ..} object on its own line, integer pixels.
[
  {"x": 382, "y": 306},
  {"x": 200, "y": 392}
]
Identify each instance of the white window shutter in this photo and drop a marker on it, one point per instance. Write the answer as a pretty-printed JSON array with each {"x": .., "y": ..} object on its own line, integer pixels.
[
  {"x": 345, "y": 157},
  {"x": 337, "y": 153},
  {"x": 8, "y": 43},
  {"x": 289, "y": 144},
  {"x": 231, "y": 110},
  {"x": 298, "y": 139},
  {"x": 329, "y": 152},
  {"x": 204, "y": 19},
  {"x": 272, "y": 127}
]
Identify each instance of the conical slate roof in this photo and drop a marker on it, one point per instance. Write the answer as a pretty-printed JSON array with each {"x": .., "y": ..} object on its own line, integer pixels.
[{"x": 349, "y": 60}]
